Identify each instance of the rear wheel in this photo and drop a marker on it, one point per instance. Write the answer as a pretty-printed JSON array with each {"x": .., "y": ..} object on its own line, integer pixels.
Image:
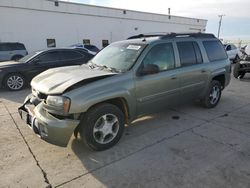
[
  {"x": 213, "y": 94},
  {"x": 14, "y": 82},
  {"x": 237, "y": 73},
  {"x": 102, "y": 126}
]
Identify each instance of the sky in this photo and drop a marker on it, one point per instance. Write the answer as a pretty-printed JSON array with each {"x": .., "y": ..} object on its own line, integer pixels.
[{"x": 235, "y": 23}]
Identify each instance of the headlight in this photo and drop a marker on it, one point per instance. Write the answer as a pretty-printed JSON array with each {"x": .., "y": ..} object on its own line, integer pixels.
[{"x": 60, "y": 102}]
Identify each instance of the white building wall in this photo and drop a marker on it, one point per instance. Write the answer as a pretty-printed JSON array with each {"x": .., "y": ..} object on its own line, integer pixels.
[{"x": 32, "y": 22}]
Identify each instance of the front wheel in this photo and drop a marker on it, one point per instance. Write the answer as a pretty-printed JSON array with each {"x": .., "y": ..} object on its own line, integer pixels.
[
  {"x": 14, "y": 82},
  {"x": 102, "y": 126},
  {"x": 213, "y": 94}
]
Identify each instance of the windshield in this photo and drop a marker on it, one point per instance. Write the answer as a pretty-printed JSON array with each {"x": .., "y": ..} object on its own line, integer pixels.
[
  {"x": 119, "y": 56},
  {"x": 28, "y": 57}
]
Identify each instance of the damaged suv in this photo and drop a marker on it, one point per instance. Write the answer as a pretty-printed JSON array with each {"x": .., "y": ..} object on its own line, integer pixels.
[{"x": 125, "y": 80}]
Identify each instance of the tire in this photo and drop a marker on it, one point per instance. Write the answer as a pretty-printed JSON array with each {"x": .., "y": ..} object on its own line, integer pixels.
[
  {"x": 237, "y": 73},
  {"x": 102, "y": 126},
  {"x": 215, "y": 90},
  {"x": 16, "y": 57},
  {"x": 14, "y": 82}
]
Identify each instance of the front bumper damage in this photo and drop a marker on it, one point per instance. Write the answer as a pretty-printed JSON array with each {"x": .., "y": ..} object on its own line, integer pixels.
[{"x": 45, "y": 125}]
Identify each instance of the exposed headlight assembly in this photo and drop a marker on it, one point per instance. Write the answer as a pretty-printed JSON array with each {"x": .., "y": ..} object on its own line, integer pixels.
[{"x": 59, "y": 102}]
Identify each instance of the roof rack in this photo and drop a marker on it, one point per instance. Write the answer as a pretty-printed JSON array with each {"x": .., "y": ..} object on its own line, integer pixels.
[
  {"x": 174, "y": 35},
  {"x": 147, "y": 35}
]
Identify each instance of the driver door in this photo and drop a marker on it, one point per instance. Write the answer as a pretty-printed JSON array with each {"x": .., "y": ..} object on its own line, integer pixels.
[{"x": 158, "y": 90}]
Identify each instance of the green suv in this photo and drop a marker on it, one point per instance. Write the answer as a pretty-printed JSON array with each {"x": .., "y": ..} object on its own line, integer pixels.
[{"x": 127, "y": 79}]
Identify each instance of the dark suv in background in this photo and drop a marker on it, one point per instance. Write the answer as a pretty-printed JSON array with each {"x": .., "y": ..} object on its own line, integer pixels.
[{"x": 12, "y": 51}]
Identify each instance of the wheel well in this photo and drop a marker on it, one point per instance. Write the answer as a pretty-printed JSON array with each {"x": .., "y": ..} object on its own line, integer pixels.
[
  {"x": 121, "y": 103},
  {"x": 221, "y": 79}
]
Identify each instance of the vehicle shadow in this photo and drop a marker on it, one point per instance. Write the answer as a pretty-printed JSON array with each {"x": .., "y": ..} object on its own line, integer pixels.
[
  {"x": 14, "y": 96},
  {"x": 140, "y": 134}
]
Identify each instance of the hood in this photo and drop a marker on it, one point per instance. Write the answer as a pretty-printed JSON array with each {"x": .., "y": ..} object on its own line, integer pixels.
[
  {"x": 9, "y": 63},
  {"x": 57, "y": 80}
]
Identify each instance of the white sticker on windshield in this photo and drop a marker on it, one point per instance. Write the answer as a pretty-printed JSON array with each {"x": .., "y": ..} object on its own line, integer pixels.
[{"x": 133, "y": 47}]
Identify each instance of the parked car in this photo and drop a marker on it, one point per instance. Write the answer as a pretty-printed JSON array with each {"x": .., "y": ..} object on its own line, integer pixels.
[
  {"x": 12, "y": 51},
  {"x": 243, "y": 66},
  {"x": 92, "y": 49},
  {"x": 233, "y": 52},
  {"x": 124, "y": 81},
  {"x": 14, "y": 75}
]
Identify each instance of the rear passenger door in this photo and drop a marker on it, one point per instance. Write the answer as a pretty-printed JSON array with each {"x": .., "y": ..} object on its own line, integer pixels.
[
  {"x": 193, "y": 74},
  {"x": 70, "y": 57}
]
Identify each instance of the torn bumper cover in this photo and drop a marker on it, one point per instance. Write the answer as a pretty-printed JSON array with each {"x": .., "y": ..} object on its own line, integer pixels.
[{"x": 46, "y": 126}]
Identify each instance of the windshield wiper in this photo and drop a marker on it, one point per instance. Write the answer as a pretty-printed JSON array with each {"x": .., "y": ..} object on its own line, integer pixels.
[{"x": 93, "y": 65}]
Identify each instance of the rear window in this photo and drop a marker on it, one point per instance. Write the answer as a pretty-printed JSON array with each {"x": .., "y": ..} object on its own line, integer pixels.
[
  {"x": 215, "y": 50},
  {"x": 189, "y": 53},
  {"x": 70, "y": 55}
]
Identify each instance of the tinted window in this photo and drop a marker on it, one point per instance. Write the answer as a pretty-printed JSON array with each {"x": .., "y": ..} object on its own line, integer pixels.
[
  {"x": 188, "y": 54},
  {"x": 16, "y": 46},
  {"x": 161, "y": 55},
  {"x": 67, "y": 55},
  {"x": 4, "y": 47},
  {"x": 228, "y": 48},
  {"x": 215, "y": 50},
  {"x": 50, "y": 56}
]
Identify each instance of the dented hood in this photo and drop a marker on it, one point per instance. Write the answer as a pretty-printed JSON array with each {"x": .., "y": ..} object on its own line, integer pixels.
[{"x": 57, "y": 80}]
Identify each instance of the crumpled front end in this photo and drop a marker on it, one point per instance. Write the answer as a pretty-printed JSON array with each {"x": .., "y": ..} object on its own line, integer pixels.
[{"x": 49, "y": 127}]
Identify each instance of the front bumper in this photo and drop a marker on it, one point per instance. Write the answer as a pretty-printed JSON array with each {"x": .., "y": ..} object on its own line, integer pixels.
[{"x": 46, "y": 126}]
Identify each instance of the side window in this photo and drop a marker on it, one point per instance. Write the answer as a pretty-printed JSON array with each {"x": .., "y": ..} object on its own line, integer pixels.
[
  {"x": 5, "y": 47},
  {"x": 161, "y": 55},
  {"x": 50, "y": 57},
  {"x": 68, "y": 55},
  {"x": 189, "y": 53},
  {"x": 229, "y": 48},
  {"x": 215, "y": 50}
]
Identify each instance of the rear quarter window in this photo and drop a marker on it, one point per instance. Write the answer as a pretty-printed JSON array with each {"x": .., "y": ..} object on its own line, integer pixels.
[{"x": 215, "y": 50}]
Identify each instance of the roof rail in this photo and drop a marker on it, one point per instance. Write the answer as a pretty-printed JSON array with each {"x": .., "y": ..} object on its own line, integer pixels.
[
  {"x": 147, "y": 35},
  {"x": 195, "y": 35},
  {"x": 173, "y": 35}
]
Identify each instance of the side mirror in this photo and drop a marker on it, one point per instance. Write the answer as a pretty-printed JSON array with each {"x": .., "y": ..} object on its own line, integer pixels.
[{"x": 149, "y": 69}]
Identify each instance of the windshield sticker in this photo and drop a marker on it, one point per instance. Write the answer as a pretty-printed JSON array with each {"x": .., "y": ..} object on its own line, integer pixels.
[{"x": 133, "y": 47}]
